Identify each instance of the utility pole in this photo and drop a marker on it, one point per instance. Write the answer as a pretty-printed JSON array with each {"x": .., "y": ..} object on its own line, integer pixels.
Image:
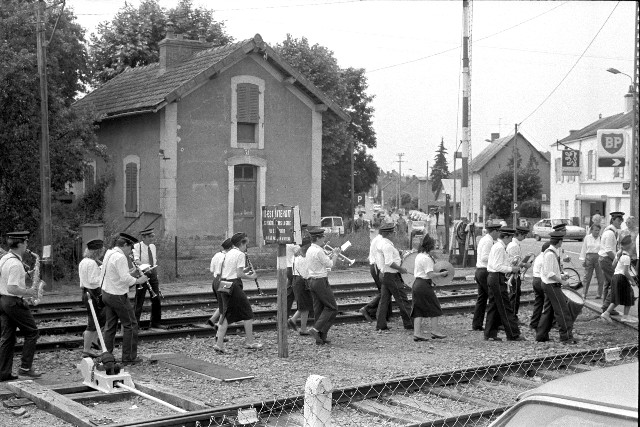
[
  {"x": 353, "y": 192},
  {"x": 633, "y": 194},
  {"x": 45, "y": 167},
  {"x": 426, "y": 203},
  {"x": 465, "y": 199},
  {"x": 400, "y": 161},
  {"x": 515, "y": 178}
]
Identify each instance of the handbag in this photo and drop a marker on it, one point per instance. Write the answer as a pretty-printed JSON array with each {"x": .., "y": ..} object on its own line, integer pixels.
[
  {"x": 215, "y": 285},
  {"x": 225, "y": 287}
]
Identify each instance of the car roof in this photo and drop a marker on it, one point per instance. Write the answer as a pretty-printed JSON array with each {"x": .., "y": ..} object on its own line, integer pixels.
[{"x": 615, "y": 386}]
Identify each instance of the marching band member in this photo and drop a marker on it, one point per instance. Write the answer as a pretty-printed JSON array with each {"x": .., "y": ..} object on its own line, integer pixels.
[
  {"x": 236, "y": 305},
  {"x": 291, "y": 251},
  {"x": 484, "y": 248},
  {"x": 538, "y": 291},
  {"x": 304, "y": 299},
  {"x": 608, "y": 249},
  {"x": 500, "y": 310},
  {"x": 14, "y": 310},
  {"x": 514, "y": 250},
  {"x": 216, "y": 268},
  {"x": 370, "y": 310},
  {"x": 116, "y": 281},
  {"x": 621, "y": 292},
  {"x": 389, "y": 263},
  {"x": 145, "y": 252},
  {"x": 425, "y": 302},
  {"x": 90, "y": 283},
  {"x": 556, "y": 306}
]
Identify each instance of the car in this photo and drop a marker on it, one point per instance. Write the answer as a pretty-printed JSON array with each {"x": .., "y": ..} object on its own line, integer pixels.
[
  {"x": 602, "y": 397},
  {"x": 332, "y": 224},
  {"x": 542, "y": 228}
]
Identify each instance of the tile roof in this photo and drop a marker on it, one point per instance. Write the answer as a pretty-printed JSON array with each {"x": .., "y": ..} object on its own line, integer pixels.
[
  {"x": 617, "y": 121},
  {"x": 148, "y": 88}
]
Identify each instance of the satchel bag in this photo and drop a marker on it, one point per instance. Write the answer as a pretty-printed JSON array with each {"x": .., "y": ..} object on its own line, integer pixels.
[
  {"x": 225, "y": 287},
  {"x": 215, "y": 285}
]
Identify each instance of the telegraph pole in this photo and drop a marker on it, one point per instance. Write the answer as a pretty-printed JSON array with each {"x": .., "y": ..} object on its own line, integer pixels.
[
  {"x": 465, "y": 199},
  {"x": 45, "y": 167},
  {"x": 515, "y": 178},
  {"x": 353, "y": 191},
  {"x": 400, "y": 155}
]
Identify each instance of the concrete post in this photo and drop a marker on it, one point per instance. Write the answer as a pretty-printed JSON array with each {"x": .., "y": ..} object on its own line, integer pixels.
[{"x": 317, "y": 402}]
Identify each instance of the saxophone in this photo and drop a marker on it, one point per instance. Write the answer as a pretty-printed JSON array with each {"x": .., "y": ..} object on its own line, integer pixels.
[{"x": 35, "y": 280}]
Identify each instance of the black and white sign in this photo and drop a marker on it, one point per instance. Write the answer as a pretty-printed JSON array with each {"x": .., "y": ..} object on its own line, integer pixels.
[
  {"x": 612, "y": 147},
  {"x": 570, "y": 162}
]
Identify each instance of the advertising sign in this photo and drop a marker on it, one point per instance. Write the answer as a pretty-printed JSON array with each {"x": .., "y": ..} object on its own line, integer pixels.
[
  {"x": 570, "y": 162},
  {"x": 612, "y": 147},
  {"x": 281, "y": 224}
]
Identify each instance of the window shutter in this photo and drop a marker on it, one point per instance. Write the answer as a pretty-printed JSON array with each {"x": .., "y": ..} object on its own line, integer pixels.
[
  {"x": 131, "y": 187},
  {"x": 248, "y": 96}
]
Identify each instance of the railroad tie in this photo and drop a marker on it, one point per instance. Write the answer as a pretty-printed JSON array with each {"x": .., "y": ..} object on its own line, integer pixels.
[
  {"x": 521, "y": 382},
  {"x": 408, "y": 402},
  {"x": 454, "y": 395},
  {"x": 388, "y": 412}
]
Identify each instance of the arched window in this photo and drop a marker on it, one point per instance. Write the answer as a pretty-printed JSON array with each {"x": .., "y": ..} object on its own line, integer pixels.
[{"x": 131, "y": 184}]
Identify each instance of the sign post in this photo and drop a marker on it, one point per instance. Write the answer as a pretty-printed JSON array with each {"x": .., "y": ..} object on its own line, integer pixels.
[
  {"x": 281, "y": 225},
  {"x": 612, "y": 148}
]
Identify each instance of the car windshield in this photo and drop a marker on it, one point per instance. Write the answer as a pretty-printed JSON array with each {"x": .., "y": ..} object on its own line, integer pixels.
[
  {"x": 326, "y": 222},
  {"x": 555, "y": 222},
  {"x": 536, "y": 414}
]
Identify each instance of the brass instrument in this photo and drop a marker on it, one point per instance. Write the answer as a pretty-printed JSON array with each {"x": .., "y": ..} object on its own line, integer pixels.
[
  {"x": 36, "y": 282},
  {"x": 251, "y": 270},
  {"x": 329, "y": 250}
]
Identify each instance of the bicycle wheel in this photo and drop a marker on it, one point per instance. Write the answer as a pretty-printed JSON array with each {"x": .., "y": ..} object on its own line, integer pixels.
[{"x": 573, "y": 277}]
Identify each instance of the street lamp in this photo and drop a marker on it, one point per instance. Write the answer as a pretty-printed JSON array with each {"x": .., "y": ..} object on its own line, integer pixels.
[{"x": 633, "y": 191}]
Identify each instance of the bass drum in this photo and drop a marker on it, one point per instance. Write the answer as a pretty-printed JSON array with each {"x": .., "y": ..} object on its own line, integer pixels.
[
  {"x": 574, "y": 301},
  {"x": 409, "y": 262}
]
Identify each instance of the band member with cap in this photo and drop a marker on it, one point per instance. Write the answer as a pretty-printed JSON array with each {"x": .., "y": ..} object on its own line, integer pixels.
[
  {"x": 145, "y": 252},
  {"x": 14, "y": 310},
  {"x": 538, "y": 291},
  {"x": 514, "y": 251},
  {"x": 292, "y": 250},
  {"x": 608, "y": 249},
  {"x": 589, "y": 257},
  {"x": 556, "y": 306},
  {"x": 116, "y": 282},
  {"x": 621, "y": 292},
  {"x": 325, "y": 308},
  {"x": 236, "y": 305},
  {"x": 216, "y": 269},
  {"x": 389, "y": 263},
  {"x": 369, "y": 311},
  {"x": 90, "y": 284},
  {"x": 484, "y": 248},
  {"x": 499, "y": 308},
  {"x": 301, "y": 290}
]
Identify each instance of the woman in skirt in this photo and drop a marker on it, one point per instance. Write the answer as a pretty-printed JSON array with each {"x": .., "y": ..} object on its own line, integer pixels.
[
  {"x": 621, "y": 292},
  {"x": 301, "y": 289},
  {"x": 425, "y": 302}
]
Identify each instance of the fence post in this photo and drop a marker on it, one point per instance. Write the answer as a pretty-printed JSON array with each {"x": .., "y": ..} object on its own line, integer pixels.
[{"x": 317, "y": 402}]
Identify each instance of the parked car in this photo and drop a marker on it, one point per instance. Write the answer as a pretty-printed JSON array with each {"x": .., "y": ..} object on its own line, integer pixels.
[
  {"x": 543, "y": 227},
  {"x": 332, "y": 224},
  {"x": 603, "y": 397}
]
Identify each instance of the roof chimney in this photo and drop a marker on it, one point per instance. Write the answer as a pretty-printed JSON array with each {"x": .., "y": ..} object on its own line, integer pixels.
[
  {"x": 495, "y": 135},
  {"x": 628, "y": 100},
  {"x": 174, "y": 49}
]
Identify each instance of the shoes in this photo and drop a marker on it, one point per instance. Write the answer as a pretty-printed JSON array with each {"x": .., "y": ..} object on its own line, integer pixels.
[
  {"x": 614, "y": 313},
  {"x": 518, "y": 338},
  {"x": 437, "y": 336},
  {"x": 415, "y": 338},
  {"x": 292, "y": 324},
  {"x": 607, "y": 317},
  {"x": 305, "y": 333},
  {"x": 31, "y": 373},
  {"x": 477, "y": 329},
  {"x": 9, "y": 378},
  {"x": 90, "y": 354},
  {"x": 218, "y": 349},
  {"x": 253, "y": 346},
  {"x": 365, "y": 314},
  {"x": 132, "y": 362},
  {"x": 315, "y": 334},
  {"x": 158, "y": 326},
  {"x": 492, "y": 339}
]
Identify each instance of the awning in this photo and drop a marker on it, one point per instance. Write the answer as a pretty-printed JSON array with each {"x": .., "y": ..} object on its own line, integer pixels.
[{"x": 592, "y": 197}]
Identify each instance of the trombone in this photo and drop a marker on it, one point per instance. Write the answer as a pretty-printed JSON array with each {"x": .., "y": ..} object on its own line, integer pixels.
[{"x": 329, "y": 250}]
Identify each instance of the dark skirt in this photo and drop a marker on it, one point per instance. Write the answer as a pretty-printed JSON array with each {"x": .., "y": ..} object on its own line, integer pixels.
[
  {"x": 236, "y": 305},
  {"x": 425, "y": 302},
  {"x": 302, "y": 293},
  {"x": 621, "y": 292}
]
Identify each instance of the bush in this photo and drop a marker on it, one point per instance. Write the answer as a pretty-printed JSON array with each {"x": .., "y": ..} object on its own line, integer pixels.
[{"x": 530, "y": 209}]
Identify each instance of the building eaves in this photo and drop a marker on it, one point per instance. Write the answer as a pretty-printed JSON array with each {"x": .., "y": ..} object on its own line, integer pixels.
[{"x": 617, "y": 121}]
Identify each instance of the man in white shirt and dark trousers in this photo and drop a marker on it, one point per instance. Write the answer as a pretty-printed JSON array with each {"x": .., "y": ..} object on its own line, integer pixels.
[
  {"x": 216, "y": 269},
  {"x": 116, "y": 282},
  {"x": 499, "y": 308},
  {"x": 515, "y": 251},
  {"x": 538, "y": 291},
  {"x": 389, "y": 263},
  {"x": 325, "y": 308},
  {"x": 484, "y": 248},
  {"x": 145, "y": 252},
  {"x": 608, "y": 249},
  {"x": 369, "y": 311},
  {"x": 589, "y": 257},
  {"x": 555, "y": 305}
]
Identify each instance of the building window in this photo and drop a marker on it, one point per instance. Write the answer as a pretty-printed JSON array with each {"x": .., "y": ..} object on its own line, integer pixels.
[
  {"x": 247, "y": 103},
  {"x": 131, "y": 185},
  {"x": 591, "y": 165}
]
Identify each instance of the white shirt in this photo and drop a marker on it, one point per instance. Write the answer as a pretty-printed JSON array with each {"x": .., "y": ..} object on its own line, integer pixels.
[
  {"x": 117, "y": 279},
  {"x": 498, "y": 261},
  {"x": 387, "y": 254},
  {"x": 536, "y": 270},
  {"x": 141, "y": 253},
  {"x": 550, "y": 265},
  {"x": 590, "y": 245},
  {"x": 300, "y": 267},
  {"x": 423, "y": 264},
  {"x": 513, "y": 249},
  {"x": 11, "y": 273},
  {"x": 624, "y": 260},
  {"x": 317, "y": 262},
  {"x": 484, "y": 248},
  {"x": 291, "y": 253},
  {"x": 235, "y": 259},
  {"x": 216, "y": 263},
  {"x": 609, "y": 241},
  {"x": 90, "y": 273},
  {"x": 373, "y": 247}
]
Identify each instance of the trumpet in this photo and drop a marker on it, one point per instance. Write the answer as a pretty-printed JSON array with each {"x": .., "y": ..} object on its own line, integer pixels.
[{"x": 329, "y": 250}]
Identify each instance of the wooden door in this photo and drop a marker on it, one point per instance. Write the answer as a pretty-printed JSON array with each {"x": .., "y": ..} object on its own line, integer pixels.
[{"x": 245, "y": 201}]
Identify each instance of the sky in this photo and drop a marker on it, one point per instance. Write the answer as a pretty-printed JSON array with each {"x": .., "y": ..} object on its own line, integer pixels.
[{"x": 540, "y": 64}]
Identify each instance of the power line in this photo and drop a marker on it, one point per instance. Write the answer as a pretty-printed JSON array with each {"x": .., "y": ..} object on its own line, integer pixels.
[{"x": 574, "y": 65}]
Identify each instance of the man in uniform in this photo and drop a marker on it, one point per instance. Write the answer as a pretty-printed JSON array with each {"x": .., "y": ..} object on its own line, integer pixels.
[
  {"x": 369, "y": 311},
  {"x": 14, "y": 310},
  {"x": 608, "y": 249},
  {"x": 116, "y": 282},
  {"x": 145, "y": 252},
  {"x": 388, "y": 262},
  {"x": 499, "y": 310},
  {"x": 484, "y": 248},
  {"x": 515, "y": 251}
]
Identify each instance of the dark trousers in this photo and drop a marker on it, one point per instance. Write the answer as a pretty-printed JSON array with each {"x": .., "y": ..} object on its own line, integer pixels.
[
  {"x": 592, "y": 263},
  {"x": 15, "y": 314},
  {"x": 538, "y": 302},
  {"x": 499, "y": 308},
  {"x": 325, "y": 308},
  {"x": 372, "y": 306},
  {"x": 117, "y": 307},
  {"x": 481, "y": 302},
  {"x": 606, "y": 265},
  {"x": 555, "y": 308},
  {"x": 156, "y": 308},
  {"x": 392, "y": 285},
  {"x": 514, "y": 295}
]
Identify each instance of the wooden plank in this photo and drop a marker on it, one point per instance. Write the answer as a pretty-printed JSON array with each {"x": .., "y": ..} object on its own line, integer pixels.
[
  {"x": 408, "y": 402},
  {"x": 56, "y": 404},
  {"x": 459, "y": 397},
  {"x": 100, "y": 396},
  {"x": 199, "y": 368},
  {"x": 390, "y": 413},
  {"x": 6, "y": 394},
  {"x": 67, "y": 388},
  {"x": 182, "y": 401}
]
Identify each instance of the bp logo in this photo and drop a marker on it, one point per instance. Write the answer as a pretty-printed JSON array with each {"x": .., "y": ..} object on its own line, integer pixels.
[{"x": 612, "y": 142}]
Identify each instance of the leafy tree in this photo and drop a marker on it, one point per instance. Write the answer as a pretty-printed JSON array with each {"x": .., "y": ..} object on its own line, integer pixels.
[
  {"x": 347, "y": 87},
  {"x": 500, "y": 191},
  {"x": 440, "y": 169},
  {"x": 131, "y": 38}
]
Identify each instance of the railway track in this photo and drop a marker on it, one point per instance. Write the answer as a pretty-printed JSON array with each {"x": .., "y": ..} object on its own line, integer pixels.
[{"x": 473, "y": 395}]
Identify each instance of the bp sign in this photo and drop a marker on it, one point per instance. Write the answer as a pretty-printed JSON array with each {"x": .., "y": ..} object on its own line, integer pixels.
[{"x": 612, "y": 147}]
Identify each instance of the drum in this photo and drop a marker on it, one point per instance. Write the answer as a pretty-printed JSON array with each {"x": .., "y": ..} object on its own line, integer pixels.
[
  {"x": 574, "y": 301},
  {"x": 409, "y": 262},
  {"x": 441, "y": 266}
]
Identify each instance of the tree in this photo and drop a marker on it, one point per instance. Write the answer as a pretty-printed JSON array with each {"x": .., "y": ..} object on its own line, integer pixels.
[
  {"x": 500, "y": 191},
  {"x": 347, "y": 87},
  {"x": 131, "y": 38},
  {"x": 440, "y": 169}
]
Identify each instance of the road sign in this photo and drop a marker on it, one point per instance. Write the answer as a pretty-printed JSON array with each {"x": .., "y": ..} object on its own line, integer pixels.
[
  {"x": 612, "y": 144},
  {"x": 280, "y": 224},
  {"x": 361, "y": 198},
  {"x": 515, "y": 206},
  {"x": 570, "y": 162},
  {"x": 611, "y": 162}
]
